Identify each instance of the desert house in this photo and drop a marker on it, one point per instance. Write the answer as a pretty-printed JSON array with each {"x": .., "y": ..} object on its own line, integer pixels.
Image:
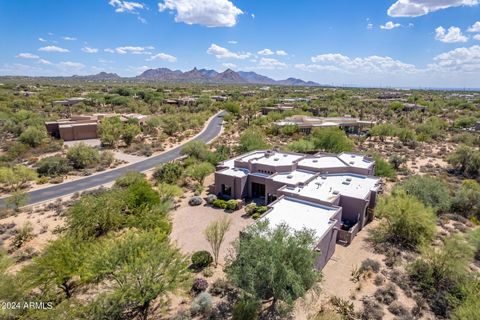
[{"x": 331, "y": 194}]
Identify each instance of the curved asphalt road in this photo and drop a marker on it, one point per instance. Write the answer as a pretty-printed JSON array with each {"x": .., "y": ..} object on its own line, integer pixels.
[{"x": 211, "y": 131}]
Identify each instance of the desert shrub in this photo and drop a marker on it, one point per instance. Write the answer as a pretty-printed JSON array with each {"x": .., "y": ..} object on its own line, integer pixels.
[
  {"x": 467, "y": 199},
  {"x": 169, "y": 172},
  {"x": 246, "y": 309},
  {"x": 128, "y": 179},
  {"x": 202, "y": 304},
  {"x": 343, "y": 307},
  {"x": 199, "y": 171},
  {"x": 83, "y": 156},
  {"x": 211, "y": 198},
  {"x": 222, "y": 310},
  {"x": 262, "y": 209},
  {"x": 331, "y": 140},
  {"x": 219, "y": 203},
  {"x": 251, "y": 208},
  {"x": 33, "y": 136},
  {"x": 252, "y": 139},
  {"x": 107, "y": 158},
  {"x": 199, "y": 285},
  {"x": 387, "y": 294},
  {"x": 466, "y": 160},
  {"x": 442, "y": 274},
  {"x": 430, "y": 191},
  {"x": 53, "y": 166},
  {"x": 195, "y": 201},
  {"x": 201, "y": 259},
  {"x": 396, "y": 308},
  {"x": 406, "y": 222},
  {"x": 232, "y": 205},
  {"x": 372, "y": 310},
  {"x": 22, "y": 235},
  {"x": 370, "y": 264},
  {"x": 383, "y": 168},
  {"x": 289, "y": 130},
  {"x": 302, "y": 145},
  {"x": 221, "y": 287},
  {"x": 378, "y": 280}
]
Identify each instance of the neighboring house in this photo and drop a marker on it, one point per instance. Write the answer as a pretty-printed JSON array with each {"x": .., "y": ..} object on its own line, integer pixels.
[
  {"x": 306, "y": 124},
  {"x": 69, "y": 102},
  {"x": 332, "y": 194},
  {"x": 281, "y": 107},
  {"x": 83, "y": 127},
  {"x": 219, "y": 98}
]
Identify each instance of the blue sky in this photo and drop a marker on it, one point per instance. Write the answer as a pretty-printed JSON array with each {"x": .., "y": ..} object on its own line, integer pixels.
[{"x": 410, "y": 43}]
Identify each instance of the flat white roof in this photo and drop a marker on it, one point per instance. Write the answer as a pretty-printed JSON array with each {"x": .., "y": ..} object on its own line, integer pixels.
[
  {"x": 321, "y": 162},
  {"x": 356, "y": 160},
  {"x": 298, "y": 215},
  {"x": 278, "y": 159},
  {"x": 234, "y": 172},
  {"x": 328, "y": 187},
  {"x": 293, "y": 177}
]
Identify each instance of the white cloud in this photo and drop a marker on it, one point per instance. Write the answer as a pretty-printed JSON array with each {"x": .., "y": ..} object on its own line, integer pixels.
[
  {"x": 42, "y": 40},
  {"x": 210, "y": 13},
  {"x": 164, "y": 57},
  {"x": 53, "y": 49},
  {"x": 142, "y": 20},
  {"x": 371, "y": 64},
  {"x": 458, "y": 60},
  {"x": 453, "y": 35},
  {"x": 27, "y": 56},
  {"x": 224, "y": 53},
  {"x": 130, "y": 49},
  {"x": 390, "y": 25},
  {"x": 270, "y": 63},
  {"x": 89, "y": 50},
  {"x": 126, "y": 6},
  {"x": 137, "y": 70},
  {"x": 370, "y": 26},
  {"x": 416, "y": 8},
  {"x": 43, "y": 61},
  {"x": 69, "y": 38},
  {"x": 233, "y": 42},
  {"x": 229, "y": 65},
  {"x": 475, "y": 27},
  {"x": 476, "y": 37},
  {"x": 281, "y": 53},
  {"x": 265, "y": 52}
]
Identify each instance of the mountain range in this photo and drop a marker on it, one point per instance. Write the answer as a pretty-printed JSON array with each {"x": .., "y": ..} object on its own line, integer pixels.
[{"x": 193, "y": 76}]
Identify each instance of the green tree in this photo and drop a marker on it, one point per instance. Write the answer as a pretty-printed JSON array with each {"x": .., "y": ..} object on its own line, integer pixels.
[
  {"x": 252, "y": 139},
  {"x": 17, "y": 176},
  {"x": 331, "y": 140},
  {"x": 59, "y": 266},
  {"x": 406, "y": 222},
  {"x": 196, "y": 149},
  {"x": 53, "y": 166},
  {"x": 129, "y": 132},
  {"x": 467, "y": 199},
  {"x": 215, "y": 234},
  {"x": 382, "y": 130},
  {"x": 273, "y": 264},
  {"x": 33, "y": 136},
  {"x": 466, "y": 160},
  {"x": 200, "y": 171},
  {"x": 82, "y": 156},
  {"x": 110, "y": 131},
  {"x": 17, "y": 199},
  {"x": 232, "y": 107},
  {"x": 383, "y": 168},
  {"x": 430, "y": 191},
  {"x": 140, "y": 267},
  {"x": 169, "y": 172},
  {"x": 301, "y": 145}
]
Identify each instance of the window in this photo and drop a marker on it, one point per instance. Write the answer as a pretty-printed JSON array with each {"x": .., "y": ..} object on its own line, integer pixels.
[{"x": 226, "y": 190}]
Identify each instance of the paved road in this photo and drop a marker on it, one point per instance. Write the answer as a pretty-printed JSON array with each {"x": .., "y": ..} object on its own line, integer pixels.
[{"x": 63, "y": 189}]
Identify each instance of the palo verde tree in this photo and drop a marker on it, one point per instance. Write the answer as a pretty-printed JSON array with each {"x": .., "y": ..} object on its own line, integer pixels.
[
  {"x": 273, "y": 264},
  {"x": 140, "y": 267},
  {"x": 406, "y": 222},
  {"x": 215, "y": 234}
]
